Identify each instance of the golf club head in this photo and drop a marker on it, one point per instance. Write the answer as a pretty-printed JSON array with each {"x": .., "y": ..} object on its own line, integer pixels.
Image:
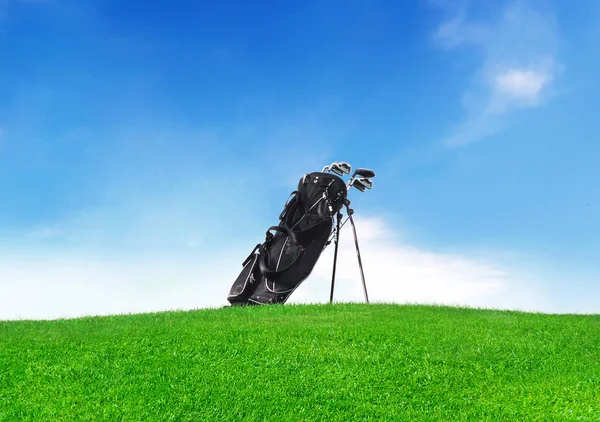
[
  {"x": 358, "y": 184},
  {"x": 367, "y": 182},
  {"x": 340, "y": 168},
  {"x": 366, "y": 173}
]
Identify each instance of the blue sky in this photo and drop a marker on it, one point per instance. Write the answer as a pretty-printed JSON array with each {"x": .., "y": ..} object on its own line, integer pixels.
[{"x": 135, "y": 135}]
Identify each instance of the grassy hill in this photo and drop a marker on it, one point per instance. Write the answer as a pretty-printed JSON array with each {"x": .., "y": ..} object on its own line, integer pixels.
[{"x": 311, "y": 362}]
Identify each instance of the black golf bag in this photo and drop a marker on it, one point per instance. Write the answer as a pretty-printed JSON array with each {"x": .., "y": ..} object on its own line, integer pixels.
[{"x": 276, "y": 267}]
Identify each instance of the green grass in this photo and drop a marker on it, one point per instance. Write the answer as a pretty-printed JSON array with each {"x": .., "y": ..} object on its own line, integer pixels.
[{"x": 311, "y": 362}]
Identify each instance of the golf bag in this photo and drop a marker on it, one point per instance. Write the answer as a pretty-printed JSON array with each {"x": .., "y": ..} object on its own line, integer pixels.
[{"x": 276, "y": 267}]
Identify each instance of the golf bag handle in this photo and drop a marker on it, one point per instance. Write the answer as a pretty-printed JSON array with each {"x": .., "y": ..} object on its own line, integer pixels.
[
  {"x": 262, "y": 264},
  {"x": 277, "y": 229}
]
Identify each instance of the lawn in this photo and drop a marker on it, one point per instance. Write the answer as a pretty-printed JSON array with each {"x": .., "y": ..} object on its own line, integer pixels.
[{"x": 338, "y": 362}]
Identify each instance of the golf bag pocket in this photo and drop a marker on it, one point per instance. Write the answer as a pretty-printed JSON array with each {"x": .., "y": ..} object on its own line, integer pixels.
[
  {"x": 281, "y": 257},
  {"x": 248, "y": 278},
  {"x": 279, "y": 282}
]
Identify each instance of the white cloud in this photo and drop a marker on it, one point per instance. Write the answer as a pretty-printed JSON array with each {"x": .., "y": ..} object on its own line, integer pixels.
[
  {"x": 398, "y": 272},
  {"x": 517, "y": 69},
  {"x": 522, "y": 84},
  {"x": 68, "y": 284}
]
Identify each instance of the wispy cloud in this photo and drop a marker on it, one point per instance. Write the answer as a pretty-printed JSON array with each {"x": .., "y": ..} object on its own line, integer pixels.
[
  {"x": 52, "y": 285},
  {"x": 68, "y": 283},
  {"x": 517, "y": 69},
  {"x": 397, "y": 271}
]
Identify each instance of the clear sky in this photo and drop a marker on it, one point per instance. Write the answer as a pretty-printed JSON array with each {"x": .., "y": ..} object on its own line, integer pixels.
[{"x": 145, "y": 147}]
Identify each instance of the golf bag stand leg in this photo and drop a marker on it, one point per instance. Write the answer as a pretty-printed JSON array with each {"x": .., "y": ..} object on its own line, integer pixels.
[
  {"x": 335, "y": 254},
  {"x": 362, "y": 274}
]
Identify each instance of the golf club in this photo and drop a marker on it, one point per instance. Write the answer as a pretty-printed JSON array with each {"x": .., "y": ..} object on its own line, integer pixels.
[
  {"x": 339, "y": 167},
  {"x": 367, "y": 182},
  {"x": 362, "y": 173},
  {"x": 367, "y": 173},
  {"x": 360, "y": 184}
]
